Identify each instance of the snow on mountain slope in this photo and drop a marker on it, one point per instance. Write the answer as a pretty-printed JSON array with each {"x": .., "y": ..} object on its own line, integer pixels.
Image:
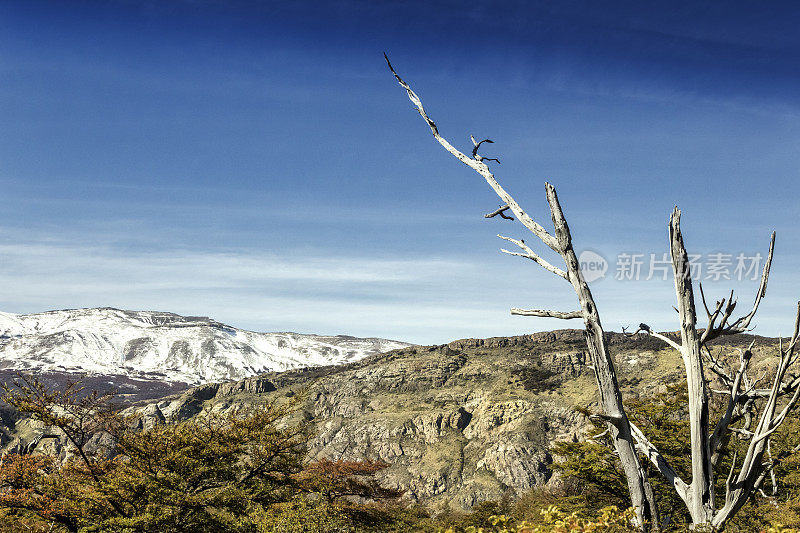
[{"x": 164, "y": 345}]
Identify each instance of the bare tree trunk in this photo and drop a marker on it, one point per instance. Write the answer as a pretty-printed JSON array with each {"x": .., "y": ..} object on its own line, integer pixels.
[
  {"x": 701, "y": 489},
  {"x": 742, "y": 396},
  {"x": 627, "y": 438},
  {"x": 754, "y": 468},
  {"x": 641, "y": 493},
  {"x": 613, "y": 412}
]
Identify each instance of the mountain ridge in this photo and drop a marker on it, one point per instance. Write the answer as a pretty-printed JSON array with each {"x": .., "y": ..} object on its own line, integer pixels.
[
  {"x": 462, "y": 422},
  {"x": 457, "y": 423},
  {"x": 164, "y": 345}
]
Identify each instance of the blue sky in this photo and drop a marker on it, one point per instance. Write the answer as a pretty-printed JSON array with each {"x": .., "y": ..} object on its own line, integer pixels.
[{"x": 257, "y": 163}]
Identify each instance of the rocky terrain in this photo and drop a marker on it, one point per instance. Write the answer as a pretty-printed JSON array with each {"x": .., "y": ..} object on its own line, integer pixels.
[{"x": 458, "y": 423}]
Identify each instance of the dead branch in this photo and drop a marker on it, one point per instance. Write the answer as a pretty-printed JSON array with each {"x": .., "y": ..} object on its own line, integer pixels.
[
  {"x": 648, "y": 449},
  {"x": 741, "y": 324},
  {"x": 646, "y": 329},
  {"x": 499, "y": 211},
  {"x": 477, "y": 166},
  {"x": 533, "y": 256},
  {"x": 477, "y": 145},
  {"x": 641, "y": 493},
  {"x": 544, "y": 313}
]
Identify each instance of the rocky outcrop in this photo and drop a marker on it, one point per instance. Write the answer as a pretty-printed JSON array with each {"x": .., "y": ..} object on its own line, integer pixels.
[
  {"x": 256, "y": 385},
  {"x": 458, "y": 423},
  {"x": 521, "y": 466},
  {"x": 150, "y": 416}
]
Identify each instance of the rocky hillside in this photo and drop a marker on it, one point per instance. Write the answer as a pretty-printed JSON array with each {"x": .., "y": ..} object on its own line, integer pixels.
[{"x": 458, "y": 423}]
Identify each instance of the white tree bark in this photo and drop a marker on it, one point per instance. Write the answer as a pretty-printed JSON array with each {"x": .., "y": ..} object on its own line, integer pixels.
[
  {"x": 701, "y": 490},
  {"x": 641, "y": 493},
  {"x": 742, "y": 480},
  {"x": 745, "y": 399}
]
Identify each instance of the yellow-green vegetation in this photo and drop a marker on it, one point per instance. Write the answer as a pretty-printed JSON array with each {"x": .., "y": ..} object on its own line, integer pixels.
[
  {"x": 241, "y": 472},
  {"x": 505, "y": 399},
  {"x": 593, "y": 466},
  {"x": 443, "y": 425},
  {"x": 554, "y": 520}
]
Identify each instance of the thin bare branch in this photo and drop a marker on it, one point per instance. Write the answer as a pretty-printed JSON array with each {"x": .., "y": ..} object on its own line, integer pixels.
[
  {"x": 728, "y": 310},
  {"x": 703, "y": 299},
  {"x": 744, "y": 322},
  {"x": 647, "y": 329},
  {"x": 533, "y": 256},
  {"x": 712, "y": 317},
  {"x": 647, "y": 448},
  {"x": 789, "y": 350},
  {"x": 499, "y": 211},
  {"x": 475, "y": 155},
  {"x": 771, "y": 470},
  {"x": 741, "y": 324},
  {"x": 717, "y": 368},
  {"x": 730, "y": 475},
  {"x": 718, "y": 436},
  {"x": 479, "y": 167},
  {"x": 568, "y": 315}
]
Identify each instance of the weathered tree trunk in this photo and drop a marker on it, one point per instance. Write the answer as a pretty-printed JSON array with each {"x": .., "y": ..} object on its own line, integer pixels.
[
  {"x": 627, "y": 438},
  {"x": 641, "y": 493},
  {"x": 701, "y": 489}
]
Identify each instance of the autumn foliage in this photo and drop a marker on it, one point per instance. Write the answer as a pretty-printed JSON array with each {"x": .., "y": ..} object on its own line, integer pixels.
[{"x": 242, "y": 472}]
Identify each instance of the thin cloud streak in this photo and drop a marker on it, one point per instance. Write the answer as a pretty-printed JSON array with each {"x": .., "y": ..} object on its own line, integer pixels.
[
  {"x": 402, "y": 298},
  {"x": 92, "y": 265},
  {"x": 409, "y": 299}
]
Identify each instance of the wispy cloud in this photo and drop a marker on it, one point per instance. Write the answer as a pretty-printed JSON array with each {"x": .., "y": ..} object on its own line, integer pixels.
[
  {"x": 291, "y": 290},
  {"x": 419, "y": 299},
  {"x": 82, "y": 268}
]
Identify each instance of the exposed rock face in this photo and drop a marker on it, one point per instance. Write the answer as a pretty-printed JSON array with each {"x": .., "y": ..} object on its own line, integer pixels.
[
  {"x": 458, "y": 423},
  {"x": 511, "y": 465},
  {"x": 256, "y": 385},
  {"x": 150, "y": 416}
]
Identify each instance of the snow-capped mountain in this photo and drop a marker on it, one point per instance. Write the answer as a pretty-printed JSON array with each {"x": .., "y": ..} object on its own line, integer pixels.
[{"x": 164, "y": 346}]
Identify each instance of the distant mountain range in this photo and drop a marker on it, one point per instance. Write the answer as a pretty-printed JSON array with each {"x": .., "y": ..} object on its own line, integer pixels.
[{"x": 165, "y": 346}]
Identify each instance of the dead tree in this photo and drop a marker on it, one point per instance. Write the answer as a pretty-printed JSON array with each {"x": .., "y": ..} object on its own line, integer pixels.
[
  {"x": 612, "y": 410},
  {"x": 745, "y": 401}
]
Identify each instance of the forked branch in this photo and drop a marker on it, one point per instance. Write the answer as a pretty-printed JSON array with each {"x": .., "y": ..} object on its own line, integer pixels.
[
  {"x": 475, "y": 155},
  {"x": 499, "y": 211},
  {"x": 533, "y": 256},
  {"x": 755, "y": 467},
  {"x": 613, "y": 411},
  {"x": 478, "y": 166},
  {"x": 724, "y": 308}
]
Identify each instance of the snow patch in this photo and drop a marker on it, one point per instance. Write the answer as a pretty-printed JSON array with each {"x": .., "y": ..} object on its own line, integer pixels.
[{"x": 181, "y": 348}]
